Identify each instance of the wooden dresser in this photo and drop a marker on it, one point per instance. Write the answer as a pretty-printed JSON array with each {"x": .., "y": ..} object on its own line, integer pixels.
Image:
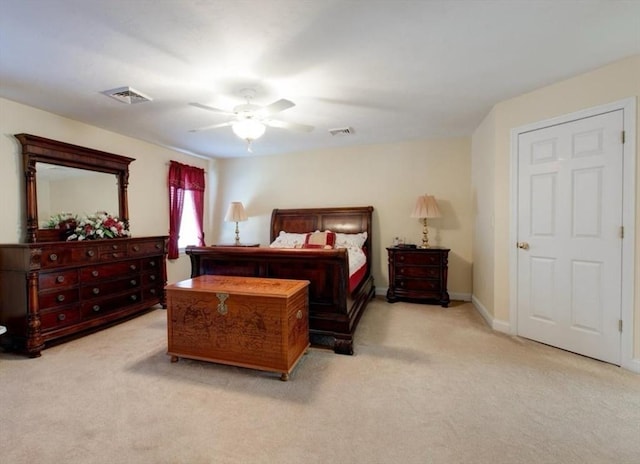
[
  {"x": 418, "y": 274},
  {"x": 242, "y": 321},
  {"x": 51, "y": 290}
]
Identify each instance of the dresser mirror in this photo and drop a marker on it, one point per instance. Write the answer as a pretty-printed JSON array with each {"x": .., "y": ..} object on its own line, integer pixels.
[
  {"x": 63, "y": 189},
  {"x": 61, "y": 177}
]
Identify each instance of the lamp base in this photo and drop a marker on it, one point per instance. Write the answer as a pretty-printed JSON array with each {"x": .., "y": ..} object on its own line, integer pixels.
[
  {"x": 425, "y": 234},
  {"x": 237, "y": 235}
]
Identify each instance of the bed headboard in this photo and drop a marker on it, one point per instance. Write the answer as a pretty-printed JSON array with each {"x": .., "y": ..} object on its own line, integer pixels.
[{"x": 347, "y": 220}]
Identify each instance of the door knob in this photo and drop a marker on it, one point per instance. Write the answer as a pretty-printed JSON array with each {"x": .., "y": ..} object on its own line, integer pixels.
[{"x": 523, "y": 245}]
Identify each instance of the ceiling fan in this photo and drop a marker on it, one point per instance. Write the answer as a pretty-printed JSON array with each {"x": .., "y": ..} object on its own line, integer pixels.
[{"x": 250, "y": 121}]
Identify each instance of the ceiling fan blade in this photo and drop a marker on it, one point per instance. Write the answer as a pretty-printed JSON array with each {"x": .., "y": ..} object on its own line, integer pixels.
[
  {"x": 212, "y": 126},
  {"x": 210, "y": 108},
  {"x": 288, "y": 125},
  {"x": 277, "y": 106}
]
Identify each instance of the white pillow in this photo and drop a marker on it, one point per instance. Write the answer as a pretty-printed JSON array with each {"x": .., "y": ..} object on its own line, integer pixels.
[
  {"x": 288, "y": 240},
  {"x": 350, "y": 240}
]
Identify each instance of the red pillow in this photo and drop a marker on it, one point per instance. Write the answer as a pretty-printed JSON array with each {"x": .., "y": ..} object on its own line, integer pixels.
[{"x": 326, "y": 239}]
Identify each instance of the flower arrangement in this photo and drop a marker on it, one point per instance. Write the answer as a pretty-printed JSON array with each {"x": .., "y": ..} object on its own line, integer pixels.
[
  {"x": 100, "y": 225},
  {"x": 64, "y": 221}
]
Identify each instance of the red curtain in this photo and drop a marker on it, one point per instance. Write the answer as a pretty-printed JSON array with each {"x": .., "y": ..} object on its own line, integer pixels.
[{"x": 181, "y": 178}]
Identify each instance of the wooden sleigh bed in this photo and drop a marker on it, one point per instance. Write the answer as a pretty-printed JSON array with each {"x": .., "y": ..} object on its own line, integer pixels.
[{"x": 334, "y": 309}]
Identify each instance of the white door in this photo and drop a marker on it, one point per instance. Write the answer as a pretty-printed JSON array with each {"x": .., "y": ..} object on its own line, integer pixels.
[{"x": 569, "y": 235}]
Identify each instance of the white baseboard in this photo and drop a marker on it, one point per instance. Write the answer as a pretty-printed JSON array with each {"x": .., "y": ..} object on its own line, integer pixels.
[
  {"x": 495, "y": 324},
  {"x": 633, "y": 365}
]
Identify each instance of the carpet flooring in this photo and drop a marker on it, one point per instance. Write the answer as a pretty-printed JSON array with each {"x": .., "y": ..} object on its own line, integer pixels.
[{"x": 425, "y": 385}]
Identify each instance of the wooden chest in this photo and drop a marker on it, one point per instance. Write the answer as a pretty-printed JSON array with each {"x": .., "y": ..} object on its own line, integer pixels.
[{"x": 243, "y": 321}]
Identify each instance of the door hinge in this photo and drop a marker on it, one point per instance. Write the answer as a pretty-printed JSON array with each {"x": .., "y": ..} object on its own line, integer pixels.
[
  {"x": 621, "y": 231},
  {"x": 619, "y": 325},
  {"x": 623, "y": 137}
]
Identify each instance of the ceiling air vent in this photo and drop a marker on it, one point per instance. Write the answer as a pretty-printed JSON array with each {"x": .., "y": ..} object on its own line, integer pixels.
[
  {"x": 342, "y": 131},
  {"x": 127, "y": 95}
]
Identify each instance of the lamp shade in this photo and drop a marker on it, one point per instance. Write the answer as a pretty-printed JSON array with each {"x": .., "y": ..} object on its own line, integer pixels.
[
  {"x": 426, "y": 207},
  {"x": 236, "y": 212},
  {"x": 248, "y": 129}
]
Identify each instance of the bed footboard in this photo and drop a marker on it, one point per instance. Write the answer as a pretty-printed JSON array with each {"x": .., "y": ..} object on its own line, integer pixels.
[{"x": 333, "y": 316}]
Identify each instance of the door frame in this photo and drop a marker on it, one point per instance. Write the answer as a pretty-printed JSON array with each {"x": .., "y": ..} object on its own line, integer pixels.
[{"x": 628, "y": 106}]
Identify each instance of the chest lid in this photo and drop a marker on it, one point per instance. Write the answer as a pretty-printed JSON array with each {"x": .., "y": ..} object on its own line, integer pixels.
[{"x": 275, "y": 288}]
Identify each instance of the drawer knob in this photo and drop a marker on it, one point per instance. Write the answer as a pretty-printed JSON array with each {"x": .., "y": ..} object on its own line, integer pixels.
[
  {"x": 152, "y": 291},
  {"x": 91, "y": 253},
  {"x": 401, "y": 270},
  {"x": 133, "y": 298},
  {"x": 95, "y": 273},
  {"x": 114, "y": 247},
  {"x": 96, "y": 308},
  {"x": 152, "y": 263},
  {"x": 299, "y": 314},
  {"x": 115, "y": 255},
  {"x": 61, "y": 317},
  {"x": 53, "y": 257},
  {"x": 136, "y": 248},
  {"x": 60, "y": 298},
  {"x": 60, "y": 279},
  {"x": 133, "y": 267},
  {"x": 133, "y": 282},
  {"x": 152, "y": 277},
  {"x": 95, "y": 290},
  {"x": 401, "y": 258},
  {"x": 157, "y": 246}
]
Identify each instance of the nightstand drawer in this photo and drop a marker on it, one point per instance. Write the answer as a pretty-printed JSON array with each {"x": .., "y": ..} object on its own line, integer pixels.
[
  {"x": 427, "y": 272},
  {"x": 418, "y": 284},
  {"x": 421, "y": 258}
]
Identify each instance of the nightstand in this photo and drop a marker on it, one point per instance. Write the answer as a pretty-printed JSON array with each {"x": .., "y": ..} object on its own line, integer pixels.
[{"x": 418, "y": 274}]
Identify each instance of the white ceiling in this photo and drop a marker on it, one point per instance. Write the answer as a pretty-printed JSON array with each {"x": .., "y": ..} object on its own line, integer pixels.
[{"x": 392, "y": 70}]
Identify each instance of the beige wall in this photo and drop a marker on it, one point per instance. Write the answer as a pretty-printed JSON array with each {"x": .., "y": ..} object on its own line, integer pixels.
[
  {"x": 482, "y": 188},
  {"x": 148, "y": 199},
  {"x": 610, "y": 83},
  {"x": 387, "y": 177}
]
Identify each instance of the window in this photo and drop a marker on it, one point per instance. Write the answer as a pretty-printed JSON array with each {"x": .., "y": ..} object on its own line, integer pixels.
[
  {"x": 189, "y": 230},
  {"x": 186, "y": 206}
]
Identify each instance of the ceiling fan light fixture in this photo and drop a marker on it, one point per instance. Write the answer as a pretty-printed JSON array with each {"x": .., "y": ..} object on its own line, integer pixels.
[{"x": 248, "y": 129}]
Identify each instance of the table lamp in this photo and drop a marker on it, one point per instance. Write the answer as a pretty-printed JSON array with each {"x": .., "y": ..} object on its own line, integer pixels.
[
  {"x": 236, "y": 213},
  {"x": 426, "y": 207}
]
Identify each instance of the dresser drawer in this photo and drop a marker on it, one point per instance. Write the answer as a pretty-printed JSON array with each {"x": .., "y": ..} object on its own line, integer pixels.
[
  {"x": 146, "y": 247},
  {"x": 57, "y": 298},
  {"x": 57, "y": 279},
  {"x": 95, "y": 273},
  {"x": 100, "y": 288},
  {"x": 152, "y": 293},
  {"x": 422, "y": 258},
  {"x": 151, "y": 278},
  {"x": 154, "y": 262},
  {"x": 427, "y": 272},
  {"x": 113, "y": 251},
  {"x": 66, "y": 256},
  {"x": 99, "y": 307},
  {"x": 51, "y": 320}
]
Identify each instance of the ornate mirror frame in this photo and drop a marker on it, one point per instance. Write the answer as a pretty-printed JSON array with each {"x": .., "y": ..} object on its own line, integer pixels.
[{"x": 39, "y": 149}]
